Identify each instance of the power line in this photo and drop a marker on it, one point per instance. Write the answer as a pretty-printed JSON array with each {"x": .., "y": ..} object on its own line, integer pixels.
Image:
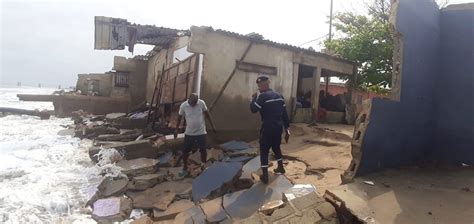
[{"x": 319, "y": 38}]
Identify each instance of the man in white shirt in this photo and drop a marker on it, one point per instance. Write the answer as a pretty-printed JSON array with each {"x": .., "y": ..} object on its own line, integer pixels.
[{"x": 193, "y": 111}]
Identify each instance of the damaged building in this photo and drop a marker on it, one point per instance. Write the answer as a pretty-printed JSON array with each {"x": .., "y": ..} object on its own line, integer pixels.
[{"x": 222, "y": 67}]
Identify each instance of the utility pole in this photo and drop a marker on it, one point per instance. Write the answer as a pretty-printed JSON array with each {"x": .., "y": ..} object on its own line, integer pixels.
[{"x": 328, "y": 79}]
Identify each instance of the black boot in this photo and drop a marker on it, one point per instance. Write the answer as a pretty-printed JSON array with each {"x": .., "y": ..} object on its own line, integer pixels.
[
  {"x": 264, "y": 176},
  {"x": 280, "y": 169}
]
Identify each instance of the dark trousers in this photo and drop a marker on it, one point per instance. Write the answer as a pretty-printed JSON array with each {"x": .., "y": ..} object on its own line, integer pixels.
[
  {"x": 189, "y": 141},
  {"x": 270, "y": 137}
]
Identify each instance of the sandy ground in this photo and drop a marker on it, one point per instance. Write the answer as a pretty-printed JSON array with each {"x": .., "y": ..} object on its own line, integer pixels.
[
  {"x": 318, "y": 155},
  {"x": 412, "y": 195}
]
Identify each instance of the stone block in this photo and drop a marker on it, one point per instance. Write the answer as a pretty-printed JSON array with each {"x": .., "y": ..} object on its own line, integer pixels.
[
  {"x": 215, "y": 180},
  {"x": 114, "y": 209},
  {"x": 138, "y": 167}
]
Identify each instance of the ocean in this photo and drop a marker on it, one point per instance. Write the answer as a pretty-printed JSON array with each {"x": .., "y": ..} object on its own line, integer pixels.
[{"x": 43, "y": 176}]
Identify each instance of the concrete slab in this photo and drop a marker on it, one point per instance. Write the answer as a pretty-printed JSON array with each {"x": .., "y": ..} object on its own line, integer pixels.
[
  {"x": 174, "y": 209},
  {"x": 235, "y": 146},
  {"x": 138, "y": 167},
  {"x": 112, "y": 187},
  {"x": 137, "y": 149},
  {"x": 146, "y": 199},
  {"x": 144, "y": 182},
  {"x": 250, "y": 167},
  {"x": 215, "y": 180},
  {"x": 164, "y": 201},
  {"x": 245, "y": 203},
  {"x": 241, "y": 159},
  {"x": 213, "y": 210},
  {"x": 192, "y": 215},
  {"x": 430, "y": 195},
  {"x": 114, "y": 209}
]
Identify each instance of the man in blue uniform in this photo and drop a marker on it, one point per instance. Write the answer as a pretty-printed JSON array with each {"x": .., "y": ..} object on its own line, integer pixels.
[{"x": 272, "y": 108}]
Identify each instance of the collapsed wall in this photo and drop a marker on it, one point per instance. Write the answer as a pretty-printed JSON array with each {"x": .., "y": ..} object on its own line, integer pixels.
[{"x": 433, "y": 52}]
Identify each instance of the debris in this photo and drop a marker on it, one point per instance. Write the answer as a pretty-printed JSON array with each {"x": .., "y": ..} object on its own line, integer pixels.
[
  {"x": 164, "y": 201},
  {"x": 243, "y": 204},
  {"x": 137, "y": 149},
  {"x": 147, "y": 181},
  {"x": 241, "y": 159},
  {"x": 271, "y": 206},
  {"x": 91, "y": 131},
  {"x": 430, "y": 213},
  {"x": 43, "y": 115},
  {"x": 118, "y": 137},
  {"x": 191, "y": 215},
  {"x": 466, "y": 189},
  {"x": 147, "y": 198},
  {"x": 92, "y": 195},
  {"x": 138, "y": 167},
  {"x": 310, "y": 200},
  {"x": 112, "y": 187},
  {"x": 298, "y": 190},
  {"x": 174, "y": 173},
  {"x": 114, "y": 209},
  {"x": 281, "y": 213},
  {"x": 174, "y": 209},
  {"x": 215, "y": 180},
  {"x": 245, "y": 152},
  {"x": 213, "y": 210},
  {"x": 250, "y": 167},
  {"x": 369, "y": 183},
  {"x": 235, "y": 146}
]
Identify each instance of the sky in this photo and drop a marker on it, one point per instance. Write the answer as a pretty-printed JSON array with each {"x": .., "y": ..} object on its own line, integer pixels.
[{"x": 49, "y": 42}]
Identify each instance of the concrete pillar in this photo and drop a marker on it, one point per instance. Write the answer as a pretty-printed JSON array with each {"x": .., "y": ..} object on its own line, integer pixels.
[
  {"x": 294, "y": 90},
  {"x": 316, "y": 89}
]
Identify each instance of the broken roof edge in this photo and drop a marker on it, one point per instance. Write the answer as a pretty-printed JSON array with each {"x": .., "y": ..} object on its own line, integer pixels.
[
  {"x": 464, "y": 6},
  {"x": 274, "y": 44}
]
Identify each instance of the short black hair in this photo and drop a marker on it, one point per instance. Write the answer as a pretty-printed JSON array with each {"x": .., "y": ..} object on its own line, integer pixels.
[{"x": 262, "y": 79}]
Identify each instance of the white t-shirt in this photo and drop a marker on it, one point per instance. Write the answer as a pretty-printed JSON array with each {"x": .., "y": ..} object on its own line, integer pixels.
[{"x": 195, "y": 123}]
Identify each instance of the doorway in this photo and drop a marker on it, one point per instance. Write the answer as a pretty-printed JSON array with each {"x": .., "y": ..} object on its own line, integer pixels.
[{"x": 304, "y": 94}]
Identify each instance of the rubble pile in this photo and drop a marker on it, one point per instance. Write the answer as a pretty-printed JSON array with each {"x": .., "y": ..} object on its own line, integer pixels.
[{"x": 226, "y": 189}]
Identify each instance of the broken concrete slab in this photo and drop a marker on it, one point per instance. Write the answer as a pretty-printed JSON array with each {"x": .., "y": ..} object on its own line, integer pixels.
[
  {"x": 246, "y": 152},
  {"x": 94, "y": 131},
  {"x": 138, "y": 167},
  {"x": 144, "y": 182},
  {"x": 118, "y": 138},
  {"x": 114, "y": 209},
  {"x": 174, "y": 173},
  {"x": 311, "y": 200},
  {"x": 192, "y": 215},
  {"x": 147, "y": 198},
  {"x": 234, "y": 146},
  {"x": 92, "y": 195},
  {"x": 142, "y": 220},
  {"x": 326, "y": 210},
  {"x": 137, "y": 149},
  {"x": 254, "y": 219},
  {"x": 308, "y": 216},
  {"x": 298, "y": 190},
  {"x": 215, "y": 180},
  {"x": 164, "y": 201},
  {"x": 250, "y": 167},
  {"x": 213, "y": 210},
  {"x": 112, "y": 186},
  {"x": 245, "y": 203},
  {"x": 281, "y": 213},
  {"x": 129, "y": 123},
  {"x": 174, "y": 209}
]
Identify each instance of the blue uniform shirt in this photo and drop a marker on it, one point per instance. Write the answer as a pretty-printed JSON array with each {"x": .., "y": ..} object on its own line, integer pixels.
[{"x": 272, "y": 108}]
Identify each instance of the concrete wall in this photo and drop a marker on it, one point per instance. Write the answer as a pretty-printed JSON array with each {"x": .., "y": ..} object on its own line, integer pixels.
[
  {"x": 455, "y": 87},
  {"x": 232, "y": 113},
  {"x": 433, "y": 119},
  {"x": 401, "y": 133},
  {"x": 105, "y": 82},
  {"x": 138, "y": 72},
  {"x": 155, "y": 64}
]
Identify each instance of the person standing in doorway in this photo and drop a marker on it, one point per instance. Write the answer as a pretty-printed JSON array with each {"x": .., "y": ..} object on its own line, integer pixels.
[
  {"x": 272, "y": 108},
  {"x": 194, "y": 110}
]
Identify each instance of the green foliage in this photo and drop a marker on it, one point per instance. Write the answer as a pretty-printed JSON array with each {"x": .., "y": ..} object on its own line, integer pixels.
[{"x": 367, "y": 41}]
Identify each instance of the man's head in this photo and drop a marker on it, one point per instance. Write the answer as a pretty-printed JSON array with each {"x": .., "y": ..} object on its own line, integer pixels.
[
  {"x": 263, "y": 83},
  {"x": 193, "y": 99}
]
